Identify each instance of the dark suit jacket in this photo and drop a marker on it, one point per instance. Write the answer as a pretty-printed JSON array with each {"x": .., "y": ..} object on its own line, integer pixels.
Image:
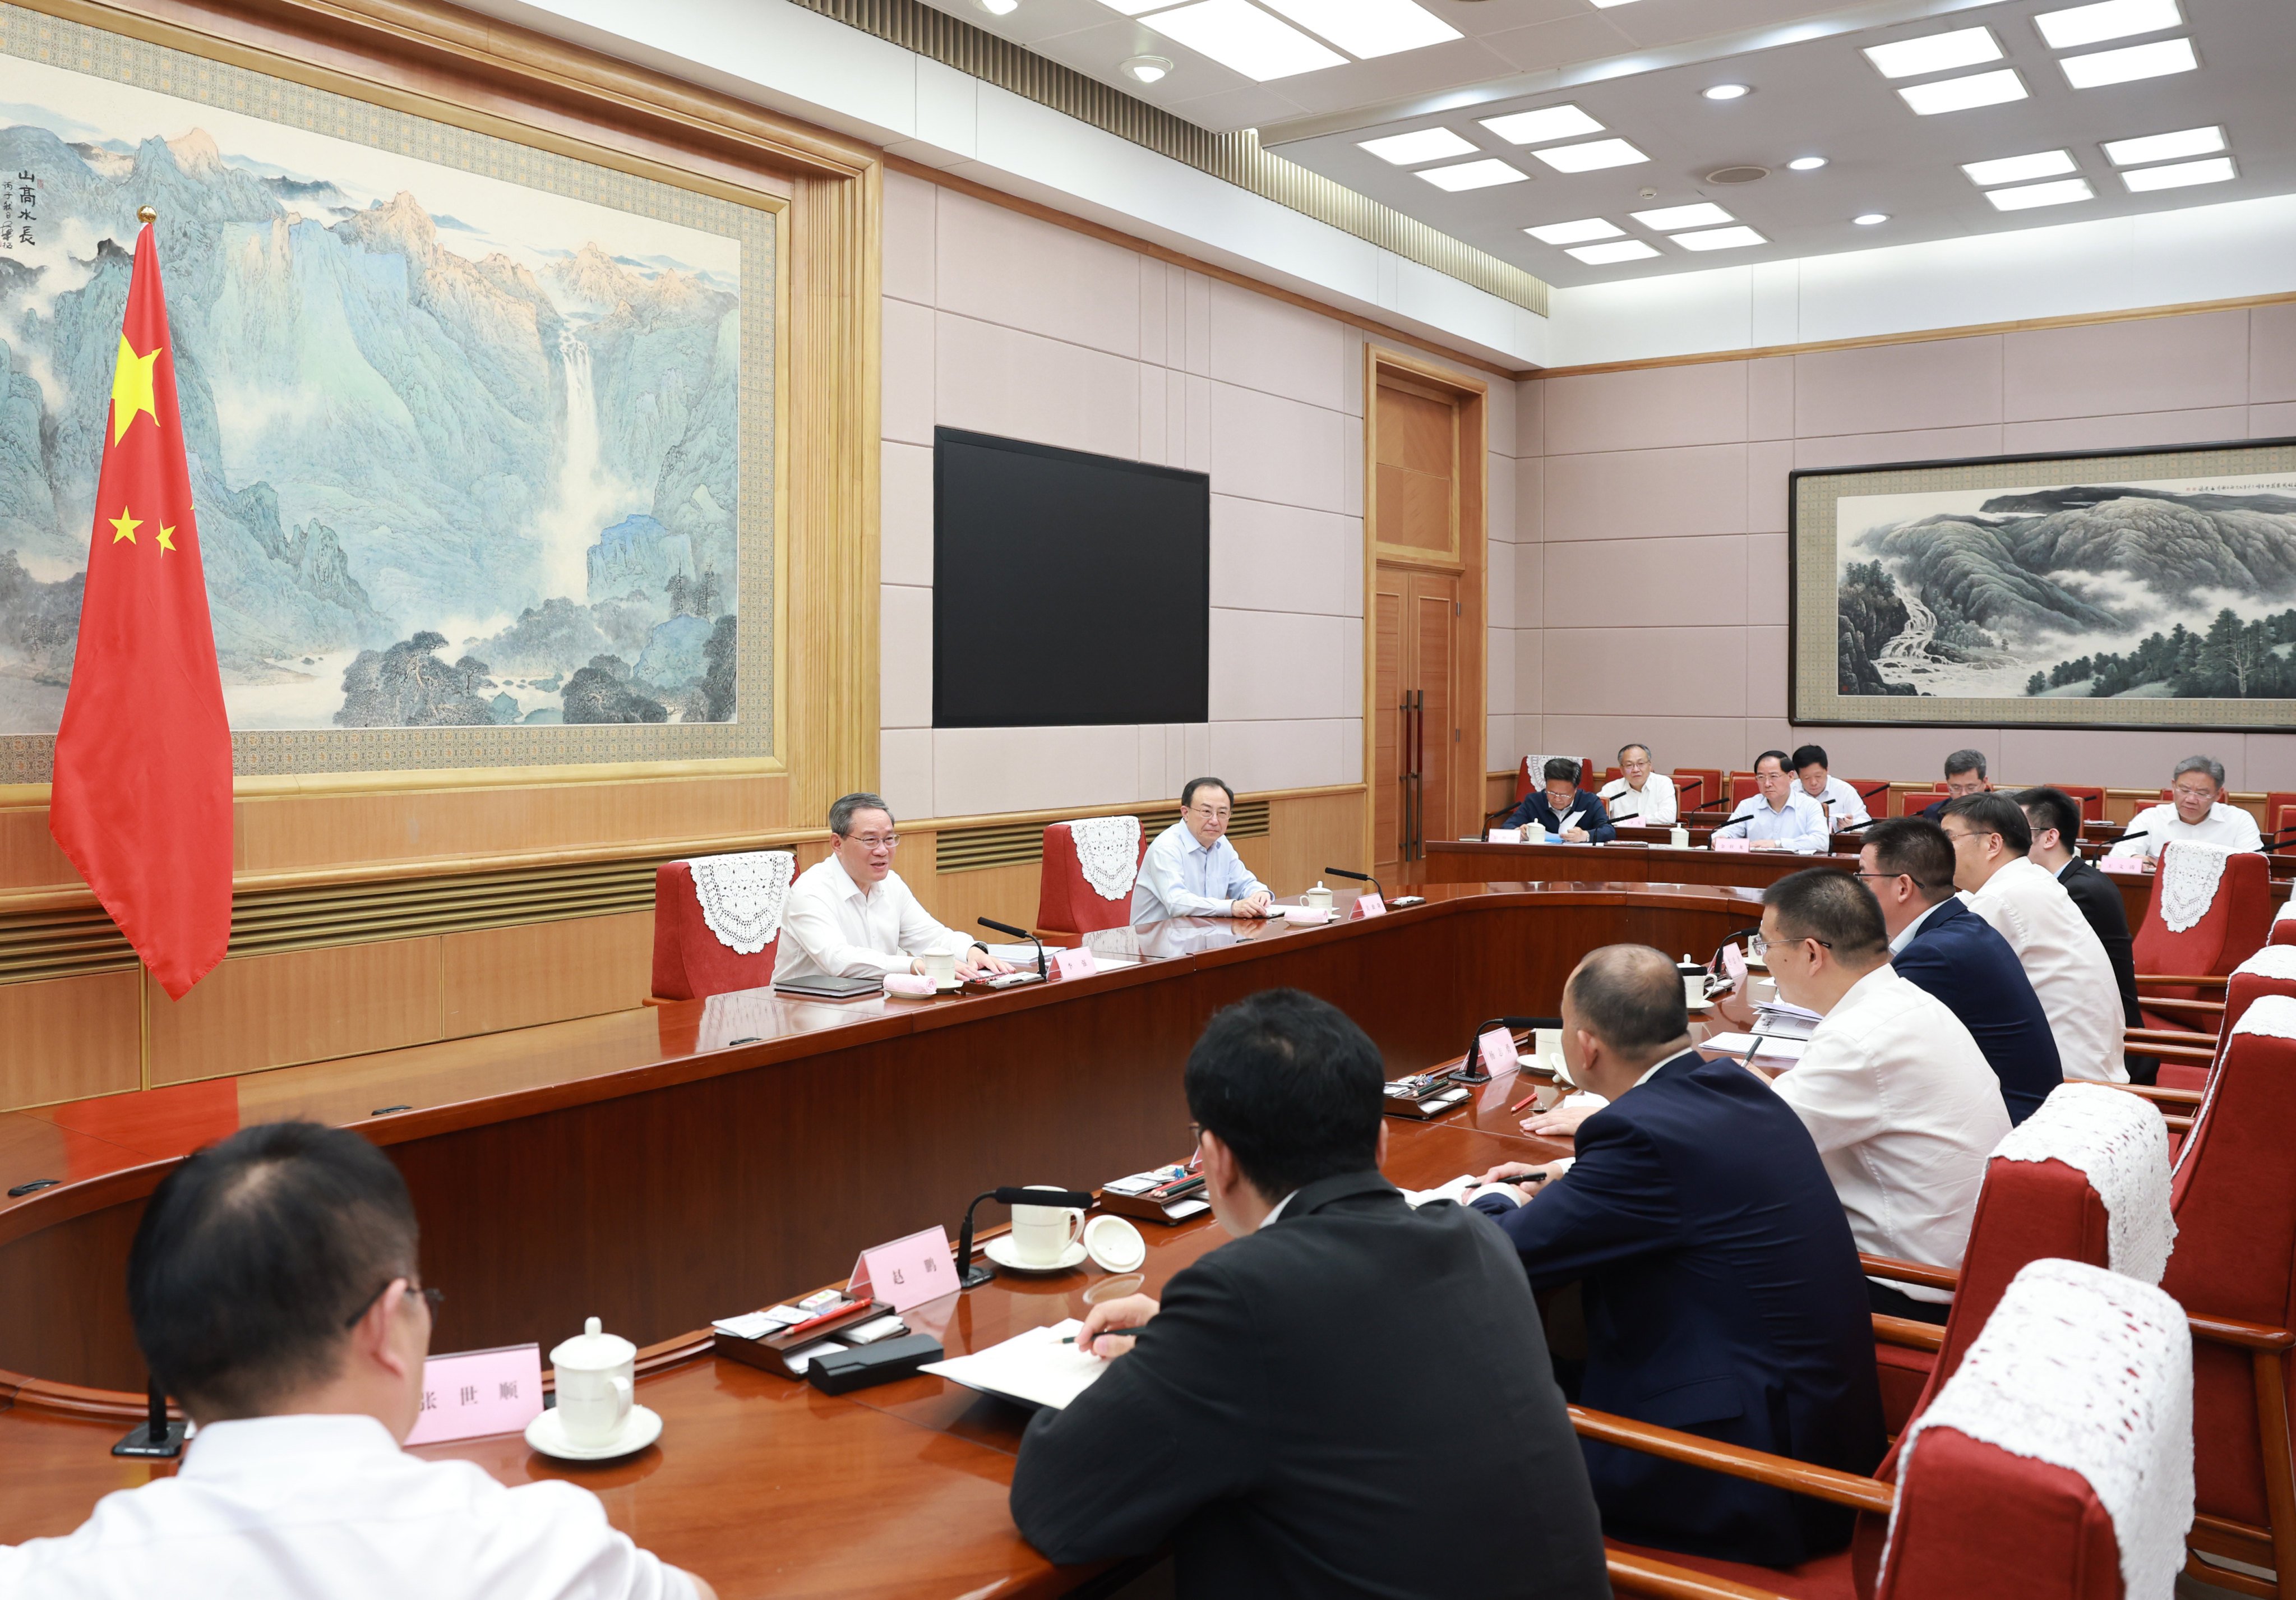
[
  {"x": 1722, "y": 1297},
  {"x": 2099, "y": 899},
  {"x": 1593, "y": 816},
  {"x": 1959, "y": 957},
  {"x": 1355, "y": 1400}
]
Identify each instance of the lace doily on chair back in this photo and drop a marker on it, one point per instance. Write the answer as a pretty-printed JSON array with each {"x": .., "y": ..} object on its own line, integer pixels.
[
  {"x": 2276, "y": 962},
  {"x": 2189, "y": 871},
  {"x": 2287, "y": 912},
  {"x": 2272, "y": 1014},
  {"x": 1108, "y": 848},
  {"x": 742, "y": 895},
  {"x": 2119, "y": 1142},
  {"x": 2092, "y": 1372}
]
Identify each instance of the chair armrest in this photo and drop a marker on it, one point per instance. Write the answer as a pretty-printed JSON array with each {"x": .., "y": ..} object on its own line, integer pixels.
[
  {"x": 1779, "y": 1471},
  {"x": 1632, "y": 1574},
  {"x": 1906, "y": 1334},
  {"x": 2171, "y": 1003},
  {"x": 2194, "y": 980},
  {"x": 2158, "y": 1096},
  {"x": 2136, "y": 1041},
  {"x": 2246, "y": 1335},
  {"x": 1909, "y": 1272}
]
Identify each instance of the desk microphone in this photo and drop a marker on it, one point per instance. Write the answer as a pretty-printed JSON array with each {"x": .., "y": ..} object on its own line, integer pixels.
[
  {"x": 1341, "y": 872},
  {"x": 968, "y": 1275},
  {"x": 1851, "y": 827},
  {"x": 2139, "y": 833},
  {"x": 1472, "y": 1068},
  {"x": 1728, "y": 940},
  {"x": 991, "y": 924}
]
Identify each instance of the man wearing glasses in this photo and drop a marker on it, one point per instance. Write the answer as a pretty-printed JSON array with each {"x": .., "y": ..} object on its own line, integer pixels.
[
  {"x": 850, "y": 916},
  {"x": 272, "y": 1287},
  {"x": 1779, "y": 816},
  {"x": 1898, "y": 1097},
  {"x": 1191, "y": 870},
  {"x": 2197, "y": 809}
]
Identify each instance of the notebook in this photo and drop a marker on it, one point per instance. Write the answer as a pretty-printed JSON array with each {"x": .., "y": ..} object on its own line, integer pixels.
[{"x": 1034, "y": 1369}]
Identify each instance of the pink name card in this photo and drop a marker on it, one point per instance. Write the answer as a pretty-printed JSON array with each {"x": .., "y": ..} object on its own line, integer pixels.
[
  {"x": 1369, "y": 905},
  {"x": 906, "y": 1272},
  {"x": 1734, "y": 963},
  {"x": 1505, "y": 836},
  {"x": 1731, "y": 847},
  {"x": 479, "y": 1392},
  {"x": 1074, "y": 964},
  {"x": 1499, "y": 1052}
]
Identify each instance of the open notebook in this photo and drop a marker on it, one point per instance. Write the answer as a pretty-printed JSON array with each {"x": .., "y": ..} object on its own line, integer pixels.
[{"x": 1033, "y": 1367}]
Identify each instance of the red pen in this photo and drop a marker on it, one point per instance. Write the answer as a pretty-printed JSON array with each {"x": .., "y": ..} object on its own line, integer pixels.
[{"x": 1526, "y": 1100}]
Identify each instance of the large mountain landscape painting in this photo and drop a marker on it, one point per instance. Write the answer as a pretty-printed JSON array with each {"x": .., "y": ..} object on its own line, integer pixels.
[
  {"x": 465, "y": 452},
  {"x": 2089, "y": 590}
]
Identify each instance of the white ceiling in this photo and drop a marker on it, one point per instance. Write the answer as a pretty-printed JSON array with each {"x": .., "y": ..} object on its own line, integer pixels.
[{"x": 1638, "y": 68}]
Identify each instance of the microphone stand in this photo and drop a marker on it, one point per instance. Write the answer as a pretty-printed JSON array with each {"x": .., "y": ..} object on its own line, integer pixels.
[
  {"x": 995, "y": 926},
  {"x": 155, "y": 1439},
  {"x": 1471, "y": 1070},
  {"x": 968, "y": 1275},
  {"x": 1341, "y": 872}
]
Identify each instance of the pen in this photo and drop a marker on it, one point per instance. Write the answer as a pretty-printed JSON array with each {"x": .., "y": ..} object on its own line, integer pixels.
[{"x": 1526, "y": 1100}]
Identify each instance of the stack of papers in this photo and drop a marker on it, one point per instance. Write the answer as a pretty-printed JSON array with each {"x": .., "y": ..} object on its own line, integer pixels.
[
  {"x": 1775, "y": 1019},
  {"x": 1771, "y": 1050},
  {"x": 1033, "y": 1367}
]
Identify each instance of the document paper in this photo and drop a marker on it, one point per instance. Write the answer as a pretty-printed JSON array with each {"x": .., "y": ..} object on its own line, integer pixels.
[{"x": 1033, "y": 1367}]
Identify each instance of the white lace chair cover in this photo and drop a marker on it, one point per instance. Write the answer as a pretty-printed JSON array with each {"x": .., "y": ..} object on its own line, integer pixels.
[
  {"x": 1108, "y": 848},
  {"x": 2089, "y": 1371},
  {"x": 2276, "y": 962},
  {"x": 2287, "y": 912},
  {"x": 2118, "y": 1142},
  {"x": 742, "y": 895},
  {"x": 2272, "y": 1015},
  {"x": 2189, "y": 871}
]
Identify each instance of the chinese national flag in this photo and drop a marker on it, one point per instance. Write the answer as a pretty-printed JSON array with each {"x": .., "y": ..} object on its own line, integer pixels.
[{"x": 142, "y": 798}]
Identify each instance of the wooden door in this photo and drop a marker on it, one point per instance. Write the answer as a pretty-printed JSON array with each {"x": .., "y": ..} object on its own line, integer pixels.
[{"x": 1416, "y": 738}]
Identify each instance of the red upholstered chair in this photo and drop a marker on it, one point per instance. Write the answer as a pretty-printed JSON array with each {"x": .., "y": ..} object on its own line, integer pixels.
[
  {"x": 1915, "y": 802},
  {"x": 2233, "y": 1195},
  {"x": 1743, "y": 784},
  {"x": 2283, "y": 926},
  {"x": 1089, "y": 868},
  {"x": 706, "y": 911},
  {"x": 2224, "y": 903},
  {"x": 2271, "y": 970},
  {"x": 2091, "y": 798},
  {"x": 2280, "y": 810},
  {"x": 1529, "y": 775},
  {"x": 1698, "y": 788}
]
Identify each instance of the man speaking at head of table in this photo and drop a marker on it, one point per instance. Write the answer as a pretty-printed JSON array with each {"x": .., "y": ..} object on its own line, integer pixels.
[
  {"x": 1721, "y": 1285},
  {"x": 1351, "y": 1397},
  {"x": 1565, "y": 810},
  {"x": 850, "y": 916},
  {"x": 1778, "y": 816}
]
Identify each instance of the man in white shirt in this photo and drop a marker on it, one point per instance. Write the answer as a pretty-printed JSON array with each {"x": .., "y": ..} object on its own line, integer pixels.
[
  {"x": 1844, "y": 806},
  {"x": 1191, "y": 870},
  {"x": 273, "y": 1290},
  {"x": 1903, "y": 1106},
  {"x": 2196, "y": 810},
  {"x": 1780, "y": 817},
  {"x": 1638, "y": 794},
  {"x": 2061, "y": 953},
  {"x": 850, "y": 916}
]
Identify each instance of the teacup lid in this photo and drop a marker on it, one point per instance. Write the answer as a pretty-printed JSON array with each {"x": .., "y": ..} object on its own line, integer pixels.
[
  {"x": 1114, "y": 1244},
  {"x": 591, "y": 1350},
  {"x": 1319, "y": 884}
]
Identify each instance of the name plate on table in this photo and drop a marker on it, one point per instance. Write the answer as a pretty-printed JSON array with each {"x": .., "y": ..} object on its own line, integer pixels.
[
  {"x": 1499, "y": 1052},
  {"x": 1504, "y": 836},
  {"x": 906, "y": 1272},
  {"x": 1733, "y": 847},
  {"x": 1074, "y": 964},
  {"x": 479, "y": 1392},
  {"x": 1369, "y": 905}
]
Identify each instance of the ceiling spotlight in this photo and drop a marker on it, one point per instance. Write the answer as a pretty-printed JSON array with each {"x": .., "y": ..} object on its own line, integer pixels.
[
  {"x": 1871, "y": 219},
  {"x": 1805, "y": 163},
  {"x": 1146, "y": 68},
  {"x": 998, "y": 8},
  {"x": 1727, "y": 91}
]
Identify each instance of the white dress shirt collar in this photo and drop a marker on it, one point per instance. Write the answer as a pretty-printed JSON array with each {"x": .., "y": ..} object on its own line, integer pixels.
[
  {"x": 1277, "y": 1210},
  {"x": 1906, "y": 934}
]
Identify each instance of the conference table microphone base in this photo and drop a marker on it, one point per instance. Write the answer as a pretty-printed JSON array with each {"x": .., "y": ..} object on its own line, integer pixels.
[{"x": 157, "y": 1437}]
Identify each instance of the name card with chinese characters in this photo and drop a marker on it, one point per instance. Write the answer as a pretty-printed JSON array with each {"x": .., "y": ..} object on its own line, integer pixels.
[
  {"x": 1730, "y": 847},
  {"x": 1369, "y": 905},
  {"x": 1074, "y": 964},
  {"x": 906, "y": 1272},
  {"x": 1499, "y": 1054},
  {"x": 1505, "y": 836},
  {"x": 479, "y": 1392}
]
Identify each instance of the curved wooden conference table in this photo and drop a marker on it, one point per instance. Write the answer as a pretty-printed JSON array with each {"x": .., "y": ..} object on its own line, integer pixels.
[{"x": 663, "y": 1169}]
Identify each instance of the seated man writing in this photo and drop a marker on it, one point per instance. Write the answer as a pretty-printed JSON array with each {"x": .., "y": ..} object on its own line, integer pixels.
[
  {"x": 274, "y": 1286},
  {"x": 1191, "y": 870},
  {"x": 1721, "y": 1285},
  {"x": 1351, "y": 1398},
  {"x": 1563, "y": 809},
  {"x": 850, "y": 916}
]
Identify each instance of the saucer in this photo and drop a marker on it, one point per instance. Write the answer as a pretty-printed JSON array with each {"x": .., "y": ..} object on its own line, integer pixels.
[
  {"x": 1000, "y": 1250},
  {"x": 640, "y": 1429},
  {"x": 1697, "y": 1006}
]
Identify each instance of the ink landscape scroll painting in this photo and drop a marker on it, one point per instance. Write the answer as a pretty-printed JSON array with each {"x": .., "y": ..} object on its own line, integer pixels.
[
  {"x": 465, "y": 419},
  {"x": 2140, "y": 591}
]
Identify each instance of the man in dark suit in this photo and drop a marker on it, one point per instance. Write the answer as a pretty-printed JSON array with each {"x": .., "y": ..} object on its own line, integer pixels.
[
  {"x": 1721, "y": 1280},
  {"x": 1561, "y": 800},
  {"x": 1351, "y": 1397},
  {"x": 1954, "y": 954},
  {"x": 1964, "y": 774},
  {"x": 2055, "y": 817}
]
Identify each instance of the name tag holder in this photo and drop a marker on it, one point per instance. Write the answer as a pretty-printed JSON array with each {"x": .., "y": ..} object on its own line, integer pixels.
[{"x": 770, "y": 1352}]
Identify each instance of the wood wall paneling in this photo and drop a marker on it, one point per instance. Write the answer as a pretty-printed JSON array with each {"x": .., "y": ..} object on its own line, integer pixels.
[
  {"x": 70, "y": 1037},
  {"x": 256, "y": 1011},
  {"x": 1307, "y": 833},
  {"x": 516, "y": 977}
]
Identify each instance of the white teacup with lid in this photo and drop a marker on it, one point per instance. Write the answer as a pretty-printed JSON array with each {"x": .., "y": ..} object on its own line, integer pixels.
[
  {"x": 1319, "y": 898},
  {"x": 596, "y": 1374}
]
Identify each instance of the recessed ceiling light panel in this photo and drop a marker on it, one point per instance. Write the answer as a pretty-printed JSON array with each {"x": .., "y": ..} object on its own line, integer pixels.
[
  {"x": 2127, "y": 65},
  {"x": 1606, "y": 255},
  {"x": 1727, "y": 91},
  {"x": 1589, "y": 158},
  {"x": 1369, "y": 27},
  {"x": 1965, "y": 93},
  {"x": 2164, "y": 147},
  {"x": 1473, "y": 175},
  {"x": 2080, "y": 24},
  {"x": 1736, "y": 238},
  {"x": 1575, "y": 232},
  {"x": 1245, "y": 38},
  {"x": 1805, "y": 163},
  {"x": 2063, "y": 192},
  {"x": 1548, "y": 123},
  {"x": 1935, "y": 52},
  {"x": 998, "y": 8},
  {"x": 2021, "y": 169},
  {"x": 2216, "y": 169},
  {"x": 1606, "y": 4},
  {"x": 1428, "y": 144},
  {"x": 1131, "y": 8},
  {"x": 1667, "y": 218}
]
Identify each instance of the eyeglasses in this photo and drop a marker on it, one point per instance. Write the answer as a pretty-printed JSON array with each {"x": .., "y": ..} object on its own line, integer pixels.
[
  {"x": 1211, "y": 813},
  {"x": 435, "y": 1298},
  {"x": 1757, "y": 946},
  {"x": 2184, "y": 793},
  {"x": 875, "y": 841}
]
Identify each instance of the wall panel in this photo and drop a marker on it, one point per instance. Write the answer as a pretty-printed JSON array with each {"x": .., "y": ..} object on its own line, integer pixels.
[
  {"x": 271, "y": 1010},
  {"x": 498, "y": 978},
  {"x": 70, "y": 1038}
]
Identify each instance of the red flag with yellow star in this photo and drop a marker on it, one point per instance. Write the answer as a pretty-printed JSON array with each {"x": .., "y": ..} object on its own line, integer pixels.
[{"x": 142, "y": 797}]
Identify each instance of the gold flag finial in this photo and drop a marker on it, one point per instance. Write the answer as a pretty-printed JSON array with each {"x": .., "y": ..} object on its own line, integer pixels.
[{"x": 146, "y": 214}]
